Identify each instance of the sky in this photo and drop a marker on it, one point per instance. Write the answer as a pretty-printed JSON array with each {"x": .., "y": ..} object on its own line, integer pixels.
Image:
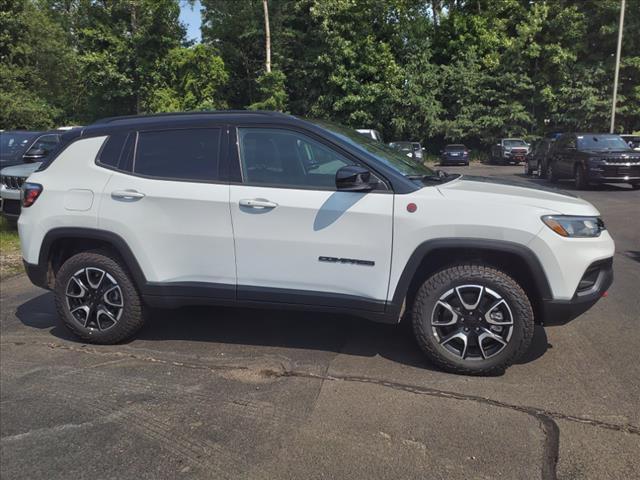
[{"x": 190, "y": 16}]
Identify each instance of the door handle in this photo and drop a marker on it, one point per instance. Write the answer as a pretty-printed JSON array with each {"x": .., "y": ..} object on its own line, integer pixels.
[
  {"x": 127, "y": 194},
  {"x": 259, "y": 203}
]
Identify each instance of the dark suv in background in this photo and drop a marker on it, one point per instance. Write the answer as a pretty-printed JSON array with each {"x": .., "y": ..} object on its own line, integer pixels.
[
  {"x": 454, "y": 154},
  {"x": 591, "y": 158}
]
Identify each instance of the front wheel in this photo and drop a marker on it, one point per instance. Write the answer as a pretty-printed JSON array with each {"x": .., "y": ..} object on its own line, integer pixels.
[
  {"x": 527, "y": 168},
  {"x": 472, "y": 319},
  {"x": 551, "y": 172},
  {"x": 581, "y": 182},
  {"x": 96, "y": 298}
]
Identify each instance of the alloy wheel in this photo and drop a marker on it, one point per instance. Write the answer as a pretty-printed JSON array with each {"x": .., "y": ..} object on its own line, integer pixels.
[
  {"x": 94, "y": 299},
  {"x": 472, "y": 322}
]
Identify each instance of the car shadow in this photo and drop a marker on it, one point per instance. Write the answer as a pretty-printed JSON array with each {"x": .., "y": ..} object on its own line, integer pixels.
[
  {"x": 288, "y": 329},
  {"x": 633, "y": 255}
]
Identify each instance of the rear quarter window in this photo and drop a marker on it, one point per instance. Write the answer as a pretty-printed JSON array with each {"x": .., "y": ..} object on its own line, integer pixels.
[{"x": 111, "y": 152}]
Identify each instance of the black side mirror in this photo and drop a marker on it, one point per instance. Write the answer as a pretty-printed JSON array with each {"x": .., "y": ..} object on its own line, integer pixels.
[
  {"x": 353, "y": 178},
  {"x": 34, "y": 154}
]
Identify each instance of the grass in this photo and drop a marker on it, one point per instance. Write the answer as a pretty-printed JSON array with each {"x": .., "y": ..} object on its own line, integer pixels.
[{"x": 10, "y": 256}]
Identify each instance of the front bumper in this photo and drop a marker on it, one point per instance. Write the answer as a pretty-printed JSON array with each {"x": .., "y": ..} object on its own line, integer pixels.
[
  {"x": 614, "y": 173},
  {"x": 594, "y": 283},
  {"x": 37, "y": 274},
  {"x": 9, "y": 202}
]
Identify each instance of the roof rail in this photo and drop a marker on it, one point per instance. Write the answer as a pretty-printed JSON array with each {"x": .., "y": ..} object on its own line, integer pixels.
[{"x": 193, "y": 112}]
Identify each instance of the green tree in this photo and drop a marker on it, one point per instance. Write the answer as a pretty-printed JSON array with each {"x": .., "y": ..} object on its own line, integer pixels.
[
  {"x": 189, "y": 78},
  {"x": 120, "y": 43},
  {"x": 38, "y": 68}
]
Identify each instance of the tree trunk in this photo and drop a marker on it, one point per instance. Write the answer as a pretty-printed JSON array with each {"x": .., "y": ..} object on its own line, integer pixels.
[{"x": 267, "y": 33}]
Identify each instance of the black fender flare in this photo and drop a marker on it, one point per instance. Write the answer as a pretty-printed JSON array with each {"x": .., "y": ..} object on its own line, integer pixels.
[
  {"x": 495, "y": 246},
  {"x": 113, "y": 239}
]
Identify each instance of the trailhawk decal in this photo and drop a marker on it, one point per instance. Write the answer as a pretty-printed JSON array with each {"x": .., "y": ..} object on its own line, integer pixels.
[{"x": 350, "y": 261}]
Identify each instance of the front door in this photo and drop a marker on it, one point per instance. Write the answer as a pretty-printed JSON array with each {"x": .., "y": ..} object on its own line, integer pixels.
[{"x": 297, "y": 239}]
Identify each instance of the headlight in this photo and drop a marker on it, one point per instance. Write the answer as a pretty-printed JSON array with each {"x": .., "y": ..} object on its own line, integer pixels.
[{"x": 576, "y": 227}]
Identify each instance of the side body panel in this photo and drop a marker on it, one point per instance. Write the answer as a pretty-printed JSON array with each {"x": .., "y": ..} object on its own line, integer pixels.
[
  {"x": 179, "y": 231},
  {"x": 73, "y": 171},
  {"x": 314, "y": 240}
]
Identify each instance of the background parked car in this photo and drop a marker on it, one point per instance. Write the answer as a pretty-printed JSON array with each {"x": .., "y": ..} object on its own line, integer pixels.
[
  {"x": 39, "y": 147},
  {"x": 590, "y": 158},
  {"x": 14, "y": 144},
  {"x": 510, "y": 150},
  {"x": 536, "y": 160},
  {"x": 411, "y": 149},
  {"x": 454, "y": 154},
  {"x": 367, "y": 132}
]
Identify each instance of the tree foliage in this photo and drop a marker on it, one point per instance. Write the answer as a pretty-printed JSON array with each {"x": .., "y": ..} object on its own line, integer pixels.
[{"x": 430, "y": 70}]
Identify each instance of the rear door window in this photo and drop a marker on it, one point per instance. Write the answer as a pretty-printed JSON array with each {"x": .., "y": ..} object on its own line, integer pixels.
[{"x": 181, "y": 154}]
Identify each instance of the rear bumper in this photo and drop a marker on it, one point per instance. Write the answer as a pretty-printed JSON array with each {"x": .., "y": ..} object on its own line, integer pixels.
[{"x": 559, "y": 312}]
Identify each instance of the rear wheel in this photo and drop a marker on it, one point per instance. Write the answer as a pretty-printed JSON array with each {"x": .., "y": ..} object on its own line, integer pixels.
[
  {"x": 540, "y": 170},
  {"x": 635, "y": 186},
  {"x": 472, "y": 319},
  {"x": 96, "y": 298}
]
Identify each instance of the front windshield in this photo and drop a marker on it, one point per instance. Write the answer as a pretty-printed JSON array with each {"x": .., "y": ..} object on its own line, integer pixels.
[
  {"x": 601, "y": 142},
  {"x": 12, "y": 144},
  {"x": 389, "y": 156},
  {"x": 515, "y": 143}
]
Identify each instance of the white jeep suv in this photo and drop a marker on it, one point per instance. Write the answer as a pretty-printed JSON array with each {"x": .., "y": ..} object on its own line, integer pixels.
[{"x": 266, "y": 209}]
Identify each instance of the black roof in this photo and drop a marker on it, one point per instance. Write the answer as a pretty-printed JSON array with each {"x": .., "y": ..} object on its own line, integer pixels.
[{"x": 111, "y": 124}]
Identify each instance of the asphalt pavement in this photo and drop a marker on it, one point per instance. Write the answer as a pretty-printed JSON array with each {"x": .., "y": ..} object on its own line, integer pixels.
[{"x": 262, "y": 394}]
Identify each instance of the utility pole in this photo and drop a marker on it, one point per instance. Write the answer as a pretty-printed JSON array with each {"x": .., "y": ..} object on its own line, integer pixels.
[
  {"x": 615, "y": 78},
  {"x": 267, "y": 32}
]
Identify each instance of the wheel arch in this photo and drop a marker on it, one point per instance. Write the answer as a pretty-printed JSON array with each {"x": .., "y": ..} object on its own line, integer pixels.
[
  {"x": 59, "y": 244},
  {"x": 431, "y": 256}
]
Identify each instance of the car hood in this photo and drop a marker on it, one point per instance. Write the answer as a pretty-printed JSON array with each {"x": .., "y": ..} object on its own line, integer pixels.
[
  {"x": 501, "y": 191},
  {"x": 22, "y": 170}
]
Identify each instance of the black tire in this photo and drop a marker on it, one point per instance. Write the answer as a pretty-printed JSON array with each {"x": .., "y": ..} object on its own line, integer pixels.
[
  {"x": 130, "y": 316},
  {"x": 635, "y": 186},
  {"x": 581, "y": 182},
  {"x": 541, "y": 170},
  {"x": 527, "y": 168},
  {"x": 443, "y": 283},
  {"x": 551, "y": 175}
]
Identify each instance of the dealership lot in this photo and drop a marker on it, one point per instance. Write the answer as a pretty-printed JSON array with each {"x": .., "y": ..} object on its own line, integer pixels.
[{"x": 230, "y": 393}]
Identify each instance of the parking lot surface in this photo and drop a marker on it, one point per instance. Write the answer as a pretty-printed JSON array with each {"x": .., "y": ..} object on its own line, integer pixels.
[{"x": 239, "y": 393}]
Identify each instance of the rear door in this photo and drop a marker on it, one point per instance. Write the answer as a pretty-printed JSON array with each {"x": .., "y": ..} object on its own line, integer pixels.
[
  {"x": 297, "y": 239},
  {"x": 166, "y": 200}
]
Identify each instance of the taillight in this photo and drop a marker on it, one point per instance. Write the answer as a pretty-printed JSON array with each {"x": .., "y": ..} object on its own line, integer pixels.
[{"x": 30, "y": 193}]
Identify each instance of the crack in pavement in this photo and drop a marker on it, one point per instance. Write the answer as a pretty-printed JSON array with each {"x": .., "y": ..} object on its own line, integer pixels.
[{"x": 545, "y": 418}]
